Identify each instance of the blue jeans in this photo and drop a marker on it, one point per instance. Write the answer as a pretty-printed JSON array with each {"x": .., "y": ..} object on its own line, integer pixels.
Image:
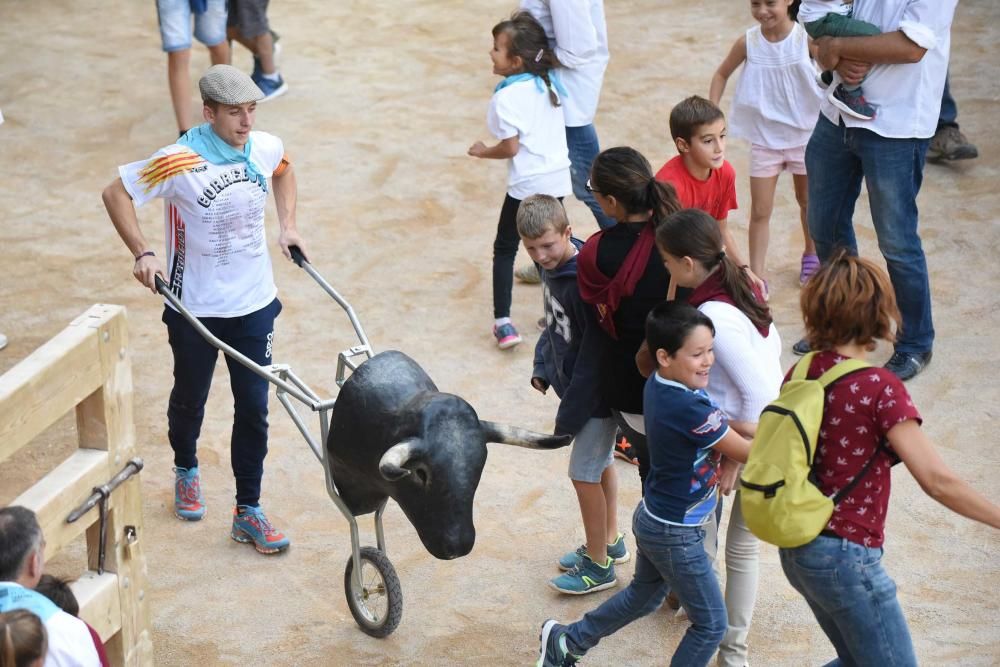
[
  {"x": 583, "y": 148},
  {"x": 194, "y": 364},
  {"x": 838, "y": 159},
  {"x": 948, "y": 117},
  {"x": 668, "y": 558},
  {"x": 853, "y": 599}
]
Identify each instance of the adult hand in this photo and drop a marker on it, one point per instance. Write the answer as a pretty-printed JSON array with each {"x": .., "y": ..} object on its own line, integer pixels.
[
  {"x": 828, "y": 57},
  {"x": 289, "y": 237},
  {"x": 853, "y": 72},
  {"x": 145, "y": 271},
  {"x": 729, "y": 475},
  {"x": 477, "y": 149}
]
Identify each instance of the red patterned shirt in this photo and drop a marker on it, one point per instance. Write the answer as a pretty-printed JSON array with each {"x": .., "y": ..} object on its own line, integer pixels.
[{"x": 860, "y": 410}]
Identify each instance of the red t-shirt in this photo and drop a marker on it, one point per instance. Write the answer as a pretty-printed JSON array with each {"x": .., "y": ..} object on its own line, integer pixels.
[
  {"x": 860, "y": 410},
  {"x": 716, "y": 195}
]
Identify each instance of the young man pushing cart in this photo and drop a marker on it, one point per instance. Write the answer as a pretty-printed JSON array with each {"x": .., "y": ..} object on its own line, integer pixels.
[{"x": 214, "y": 183}]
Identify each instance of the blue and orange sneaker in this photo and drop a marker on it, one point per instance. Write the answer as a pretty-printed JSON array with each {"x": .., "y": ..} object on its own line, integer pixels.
[
  {"x": 189, "y": 504},
  {"x": 250, "y": 525}
]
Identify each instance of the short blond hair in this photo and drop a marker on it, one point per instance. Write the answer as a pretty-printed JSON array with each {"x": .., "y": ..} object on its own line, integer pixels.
[{"x": 538, "y": 214}]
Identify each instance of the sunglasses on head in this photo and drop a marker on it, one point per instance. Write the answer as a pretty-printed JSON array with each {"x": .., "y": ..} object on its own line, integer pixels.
[{"x": 590, "y": 188}]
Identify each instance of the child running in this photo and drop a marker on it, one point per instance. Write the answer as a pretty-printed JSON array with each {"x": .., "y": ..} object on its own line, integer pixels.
[
  {"x": 568, "y": 359},
  {"x": 775, "y": 108},
  {"x": 869, "y": 421},
  {"x": 687, "y": 433},
  {"x": 526, "y": 116}
]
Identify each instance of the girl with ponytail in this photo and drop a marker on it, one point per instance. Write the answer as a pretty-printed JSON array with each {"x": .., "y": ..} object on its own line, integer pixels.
[
  {"x": 746, "y": 377},
  {"x": 525, "y": 114},
  {"x": 23, "y": 640},
  {"x": 621, "y": 275}
]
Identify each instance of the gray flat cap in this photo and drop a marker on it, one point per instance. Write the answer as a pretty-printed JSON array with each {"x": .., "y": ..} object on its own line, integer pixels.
[{"x": 227, "y": 85}]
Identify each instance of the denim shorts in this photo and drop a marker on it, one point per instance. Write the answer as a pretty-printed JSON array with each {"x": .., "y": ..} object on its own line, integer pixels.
[
  {"x": 175, "y": 24},
  {"x": 592, "y": 450}
]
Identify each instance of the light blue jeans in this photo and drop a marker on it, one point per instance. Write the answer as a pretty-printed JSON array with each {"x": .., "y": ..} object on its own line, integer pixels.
[
  {"x": 854, "y": 601},
  {"x": 175, "y": 24},
  {"x": 668, "y": 558},
  {"x": 838, "y": 159},
  {"x": 583, "y": 148}
]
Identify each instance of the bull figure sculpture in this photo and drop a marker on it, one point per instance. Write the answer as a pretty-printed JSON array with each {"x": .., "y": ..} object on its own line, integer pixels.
[{"x": 392, "y": 433}]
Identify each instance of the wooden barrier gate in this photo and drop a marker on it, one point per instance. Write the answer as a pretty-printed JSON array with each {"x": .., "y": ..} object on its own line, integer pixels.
[{"x": 87, "y": 368}]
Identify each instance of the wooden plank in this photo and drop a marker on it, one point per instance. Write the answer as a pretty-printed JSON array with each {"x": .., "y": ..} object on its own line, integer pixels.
[
  {"x": 52, "y": 380},
  {"x": 99, "y": 602},
  {"x": 60, "y": 491}
]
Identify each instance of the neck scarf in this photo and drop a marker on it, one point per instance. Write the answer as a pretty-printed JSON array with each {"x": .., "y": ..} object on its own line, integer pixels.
[
  {"x": 606, "y": 293},
  {"x": 205, "y": 142},
  {"x": 539, "y": 83},
  {"x": 713, "y": 289}
]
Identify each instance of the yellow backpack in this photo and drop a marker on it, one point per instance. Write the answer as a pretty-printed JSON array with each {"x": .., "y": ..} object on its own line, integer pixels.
[{"x": 780, "y": 500}]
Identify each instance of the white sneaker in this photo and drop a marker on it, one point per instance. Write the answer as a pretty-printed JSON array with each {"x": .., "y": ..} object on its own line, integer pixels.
[{"x": 3, "y": 341}]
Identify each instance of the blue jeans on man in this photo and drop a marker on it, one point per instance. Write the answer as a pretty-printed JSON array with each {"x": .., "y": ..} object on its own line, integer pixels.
[
  {"x": 854, "y": 600},
  {"x": 838, "y": 159},
  {"x": 668, "y": 557},
  {"x": 194, "y": 364},
  {"x": 583, "y": 148}
]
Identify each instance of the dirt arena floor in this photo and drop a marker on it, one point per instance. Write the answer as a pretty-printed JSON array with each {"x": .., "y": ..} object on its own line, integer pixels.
[{"x": 384, "y": 100}]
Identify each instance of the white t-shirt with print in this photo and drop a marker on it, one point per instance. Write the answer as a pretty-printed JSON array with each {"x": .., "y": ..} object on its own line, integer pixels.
[
  {"x": 217, "y": 258},
  {"x": 541, "y": 166}
]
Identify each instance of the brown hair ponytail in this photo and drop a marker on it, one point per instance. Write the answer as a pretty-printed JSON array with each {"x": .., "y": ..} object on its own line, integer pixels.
[
  {"x": 623, "y": 173},
  {"x": 529, "y": 43},
  {"x": 695, "y": 234}
]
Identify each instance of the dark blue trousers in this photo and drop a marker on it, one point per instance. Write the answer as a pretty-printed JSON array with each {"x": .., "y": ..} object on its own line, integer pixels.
[{"x": 194, "y": 364}]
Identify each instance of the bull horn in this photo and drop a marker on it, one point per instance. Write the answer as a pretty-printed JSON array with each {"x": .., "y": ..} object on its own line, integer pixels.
[
  {"x": 520, "y": 437},
  {"x": 393, "y": 462}
]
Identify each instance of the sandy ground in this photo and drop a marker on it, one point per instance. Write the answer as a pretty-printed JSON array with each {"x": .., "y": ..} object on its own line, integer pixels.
[{"x": 384, "y": 100}]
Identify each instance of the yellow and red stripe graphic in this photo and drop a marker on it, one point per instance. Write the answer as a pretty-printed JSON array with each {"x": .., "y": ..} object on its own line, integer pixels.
[{"x": 166, "y": 167}]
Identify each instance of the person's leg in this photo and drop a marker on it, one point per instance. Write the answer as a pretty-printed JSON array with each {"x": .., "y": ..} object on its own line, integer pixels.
[
  {"x": 893, "y": 174},
  {"x": 589, "y": 460},
  {"x": 835, "y": 175},
  {"x": 643, "y": 595},
  {"x": 948, "y": 116},
  {"x": 761, "y": 206},
  {"x": 609, "y": 486},
  {"x": 194, "y": 363},
  {"x": 949, "y": 143},
  {"x": 504, "y": 250},
  {"x": 801, "y": 185},
  {"x": 853, "y": 599},
  {"x": 742, "y": 573},
  {"x": 638, "y": 442},
  {"x": 210, "y": 30},
  {"x": 252, "y": 336},
  {"x": 174, "y": 17},
  {"x": 583, "y": 148}
]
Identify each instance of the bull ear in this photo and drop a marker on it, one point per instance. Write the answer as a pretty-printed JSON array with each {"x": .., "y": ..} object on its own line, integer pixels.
[
  {"x": 511, "y": 435},
  {"x": 394, "y": 463}
]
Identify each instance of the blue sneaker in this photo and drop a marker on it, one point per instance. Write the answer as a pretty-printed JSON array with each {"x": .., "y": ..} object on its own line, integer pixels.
[
  {"x": 506, "y": 335},
  {"x": 189, "y": 504},
  {"x": 851, "y": 102},
  {"x": 251, "y": 526},
  {"x": 553, "y": 652},
  {"x": 617, "y": 550},
  {"x": 270, "y": 87},
  {"x": 587, "y": 577}
]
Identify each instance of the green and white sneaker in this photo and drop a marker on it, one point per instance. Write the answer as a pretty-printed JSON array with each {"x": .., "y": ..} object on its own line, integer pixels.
[
  {"x": 616, "y": 550},
  {"x": 587, "y": 577}
]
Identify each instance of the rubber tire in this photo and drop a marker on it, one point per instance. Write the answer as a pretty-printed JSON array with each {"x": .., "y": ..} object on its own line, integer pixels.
[{"x": 393, "y": 590}]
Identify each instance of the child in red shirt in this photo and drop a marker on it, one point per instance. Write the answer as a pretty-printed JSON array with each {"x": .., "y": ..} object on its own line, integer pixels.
[
  {"x": 701, "y": 175},
  {"x": 847, "y": 305}
]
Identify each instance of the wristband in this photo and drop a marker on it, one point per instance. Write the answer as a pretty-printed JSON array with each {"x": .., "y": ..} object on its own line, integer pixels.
[{"x": 148, "y": 253}]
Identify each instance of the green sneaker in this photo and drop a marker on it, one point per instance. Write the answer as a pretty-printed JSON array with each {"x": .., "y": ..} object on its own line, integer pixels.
[
  {"x": 616, "y": 550},
  {"x": 553, "y": 652},
  {"x": 587, "y": 577}
]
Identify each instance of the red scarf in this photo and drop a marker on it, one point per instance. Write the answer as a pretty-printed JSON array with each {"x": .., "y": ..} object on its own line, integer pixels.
[
  {"x": 713, "y": 289},
  {"x": 606, "y": 293}
]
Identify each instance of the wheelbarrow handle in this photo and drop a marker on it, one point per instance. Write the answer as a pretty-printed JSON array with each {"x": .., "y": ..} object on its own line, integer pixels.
[
  {"x": 161, "y": 285},
  {"x": 297, "y": 255}
]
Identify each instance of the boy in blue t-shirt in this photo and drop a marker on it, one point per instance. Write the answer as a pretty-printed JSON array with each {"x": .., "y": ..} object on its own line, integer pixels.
[
  {"x": 568, "y": 359},
  {"x": 686, "y": 433}
]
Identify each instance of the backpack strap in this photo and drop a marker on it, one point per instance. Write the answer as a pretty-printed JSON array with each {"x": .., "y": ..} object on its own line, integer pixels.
[
  {"x": 837, "y": 497},
  {"x": 801, "y": 369}
]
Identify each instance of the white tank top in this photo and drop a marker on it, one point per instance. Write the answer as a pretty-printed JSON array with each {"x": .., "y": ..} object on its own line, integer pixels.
[{"x": 777, "y": 100}]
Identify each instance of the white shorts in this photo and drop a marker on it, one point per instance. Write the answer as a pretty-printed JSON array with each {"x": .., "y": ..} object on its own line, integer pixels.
[
  {"x": 766, "y": 162},
  {"x": 592, "y": 450}
]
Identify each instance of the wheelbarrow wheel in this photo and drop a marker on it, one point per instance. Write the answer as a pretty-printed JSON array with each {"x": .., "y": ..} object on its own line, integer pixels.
[{"x": 377, "y": 605}]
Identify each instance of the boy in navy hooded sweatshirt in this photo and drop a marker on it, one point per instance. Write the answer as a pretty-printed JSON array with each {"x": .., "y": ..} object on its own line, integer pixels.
[{"x": 568, "y": 358}]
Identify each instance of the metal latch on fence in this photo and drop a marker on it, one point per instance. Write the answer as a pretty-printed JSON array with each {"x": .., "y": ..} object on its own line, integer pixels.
[{"x": 99, "y": 498}]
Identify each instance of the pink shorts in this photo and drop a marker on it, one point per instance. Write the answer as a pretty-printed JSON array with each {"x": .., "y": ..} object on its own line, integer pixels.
[{"x": 765, "y": 162}]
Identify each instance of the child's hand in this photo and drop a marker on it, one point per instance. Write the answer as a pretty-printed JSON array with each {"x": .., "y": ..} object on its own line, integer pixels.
[
  {"x": 540, "y": 384},
  {"x": 729, "y": 475},
  {"x": 477, "y": 149}
]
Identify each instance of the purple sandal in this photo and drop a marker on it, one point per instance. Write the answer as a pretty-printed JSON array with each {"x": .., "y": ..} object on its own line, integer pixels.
[{"x": 810, "y": 265}]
